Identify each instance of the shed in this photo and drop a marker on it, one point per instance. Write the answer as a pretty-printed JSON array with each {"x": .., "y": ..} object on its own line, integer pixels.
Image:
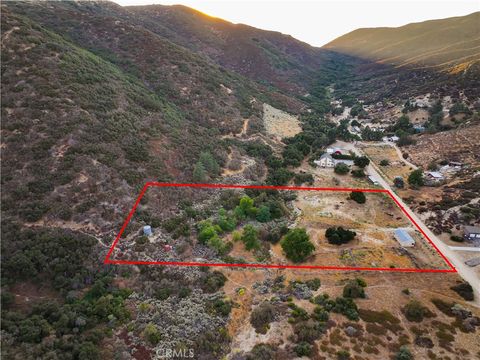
[
  {"x": 404, "y": 238},
  {"x": 147, "y": 230}
]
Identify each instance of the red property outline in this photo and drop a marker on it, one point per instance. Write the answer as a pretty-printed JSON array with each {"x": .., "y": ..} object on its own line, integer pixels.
[{"x": 269, "y": 187}]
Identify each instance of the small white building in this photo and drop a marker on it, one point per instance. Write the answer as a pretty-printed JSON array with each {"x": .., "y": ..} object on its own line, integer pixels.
[
  {"x": 393, "y": 138},
  {"x": 325, "y": 161},
  {"x": 334, "y": 150},
  {"x": 433, "y": 178},
  {"x": 404, "y": 238}
]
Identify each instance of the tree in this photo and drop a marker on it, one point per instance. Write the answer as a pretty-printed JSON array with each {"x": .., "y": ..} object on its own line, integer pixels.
[
  {"x": 384, "y": 162},
  {"x": 296, "y": 245},
  {"x": 225, "y": 221},
  {"x": 339, "y": 235},
  {"x": 354, "y": 289},
  {"x": 358, "y": 196},
  {"x": 341, "y": 169},
  {"x": 405, "y": 139},
  {"x": 210, "y": 164},
  {"x": 403, "y": 124},
  {"x": 358, "y": 173},
  {"x": 398, "y": 182},
  {"x": 416, "y": 178},
  {"x": 207, "y": 231},
  {"x": 280, "y": 176},
  {"x": 263, "y": 214},
  {"x": 250, "y": 237},
  {"x": 245, "y": 208},
  {"x": 199, "y": 172},
  {"x": 361, "y": 161},
  {"x": 404, "y": 354},
  {"x": 88, "y": 351}
]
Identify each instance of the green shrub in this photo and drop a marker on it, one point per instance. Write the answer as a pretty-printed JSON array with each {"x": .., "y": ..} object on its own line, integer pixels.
[
  {"x": 457, "y": 238},
  {"x": 303, "y": 349},
  {"x": 465, "y": 290},
  {"x": 250, "y": 238},
  {"x": 353, "y": 290},
  {"x": 358, "y": 197},
  {"x": 313, "y": 284},
  {"x": 262, "y": 316},
  {"x": 341, "y": 169},
  {"x": 151, "y": 334},
  {"x": 214, "y": 281},
  {"x": 339, "y": 235},
  {"x": 404, "y": 354},
  {"x": 415, "y": 311}
]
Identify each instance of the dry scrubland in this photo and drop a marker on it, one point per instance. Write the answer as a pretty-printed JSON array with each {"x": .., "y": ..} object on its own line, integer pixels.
[{"x": 435, "y": 337}]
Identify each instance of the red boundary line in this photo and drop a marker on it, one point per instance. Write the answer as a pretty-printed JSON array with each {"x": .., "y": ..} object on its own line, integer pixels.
[{"x": 268, "y": 187}]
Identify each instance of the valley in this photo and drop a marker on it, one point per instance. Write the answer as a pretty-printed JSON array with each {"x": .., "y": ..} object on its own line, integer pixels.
[{"x": 99, "y": 99}]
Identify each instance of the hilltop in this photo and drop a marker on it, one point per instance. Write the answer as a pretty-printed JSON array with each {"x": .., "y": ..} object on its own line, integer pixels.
[{"x": 450, "y": 45}]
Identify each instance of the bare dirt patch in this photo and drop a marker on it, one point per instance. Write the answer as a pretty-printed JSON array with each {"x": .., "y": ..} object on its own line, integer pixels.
[{"x": 280, "y": 124}]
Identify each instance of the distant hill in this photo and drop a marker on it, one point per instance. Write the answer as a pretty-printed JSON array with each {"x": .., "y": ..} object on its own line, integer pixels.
[
  {"x": 451, "y": 45},
  {"x": 266, "y": 56}
]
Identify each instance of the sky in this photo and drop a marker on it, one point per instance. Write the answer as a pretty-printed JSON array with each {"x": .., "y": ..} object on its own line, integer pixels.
[{"x": 319, "y": 21}]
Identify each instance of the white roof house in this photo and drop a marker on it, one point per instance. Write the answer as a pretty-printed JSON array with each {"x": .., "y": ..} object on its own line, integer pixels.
[
  {"x": 325, "y": 160},
  {"x": 434, "y": 174}
]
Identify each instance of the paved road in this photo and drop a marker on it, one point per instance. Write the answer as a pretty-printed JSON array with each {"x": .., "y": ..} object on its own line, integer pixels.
[
  {"x": 466, "y": 272},
  {"x": 464, "y": 248}
]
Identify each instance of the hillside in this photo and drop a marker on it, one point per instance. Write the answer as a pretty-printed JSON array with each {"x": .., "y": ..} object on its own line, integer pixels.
[
  {"x": 451, "y": 45},
  {"x": 267, "y": 56},
  {"x": 92, "y": 108}
]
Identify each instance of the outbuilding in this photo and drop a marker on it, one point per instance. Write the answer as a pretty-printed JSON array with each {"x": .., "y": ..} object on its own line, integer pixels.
[
  {"x": 404, "y": 238},
  {"x": 472, "y": 233},
  {"x": 147, "y": 230}
]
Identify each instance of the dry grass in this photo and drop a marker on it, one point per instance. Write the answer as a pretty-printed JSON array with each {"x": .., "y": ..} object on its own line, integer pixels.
[
  {"x": 396, "y": 166},
  {"x": 279, "y": 123}
]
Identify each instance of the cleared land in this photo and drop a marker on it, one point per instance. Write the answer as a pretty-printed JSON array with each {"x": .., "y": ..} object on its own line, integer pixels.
[
  {"x": 374, "y": 223},
  {"x": 279, "y": 123},
  {"x": 396, "y": 166}
]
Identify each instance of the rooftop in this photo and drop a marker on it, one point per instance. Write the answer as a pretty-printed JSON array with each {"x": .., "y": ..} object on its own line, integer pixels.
[{"x": 404, "y": 237}]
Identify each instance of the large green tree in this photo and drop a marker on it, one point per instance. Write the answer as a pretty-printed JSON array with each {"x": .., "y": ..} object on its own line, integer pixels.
[
  {"x": 416, "y": 178},
  {"x": 296, "y": 245}
]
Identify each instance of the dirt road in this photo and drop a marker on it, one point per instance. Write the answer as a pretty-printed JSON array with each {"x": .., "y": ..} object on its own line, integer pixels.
[{"x": 463, "y": 270}]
